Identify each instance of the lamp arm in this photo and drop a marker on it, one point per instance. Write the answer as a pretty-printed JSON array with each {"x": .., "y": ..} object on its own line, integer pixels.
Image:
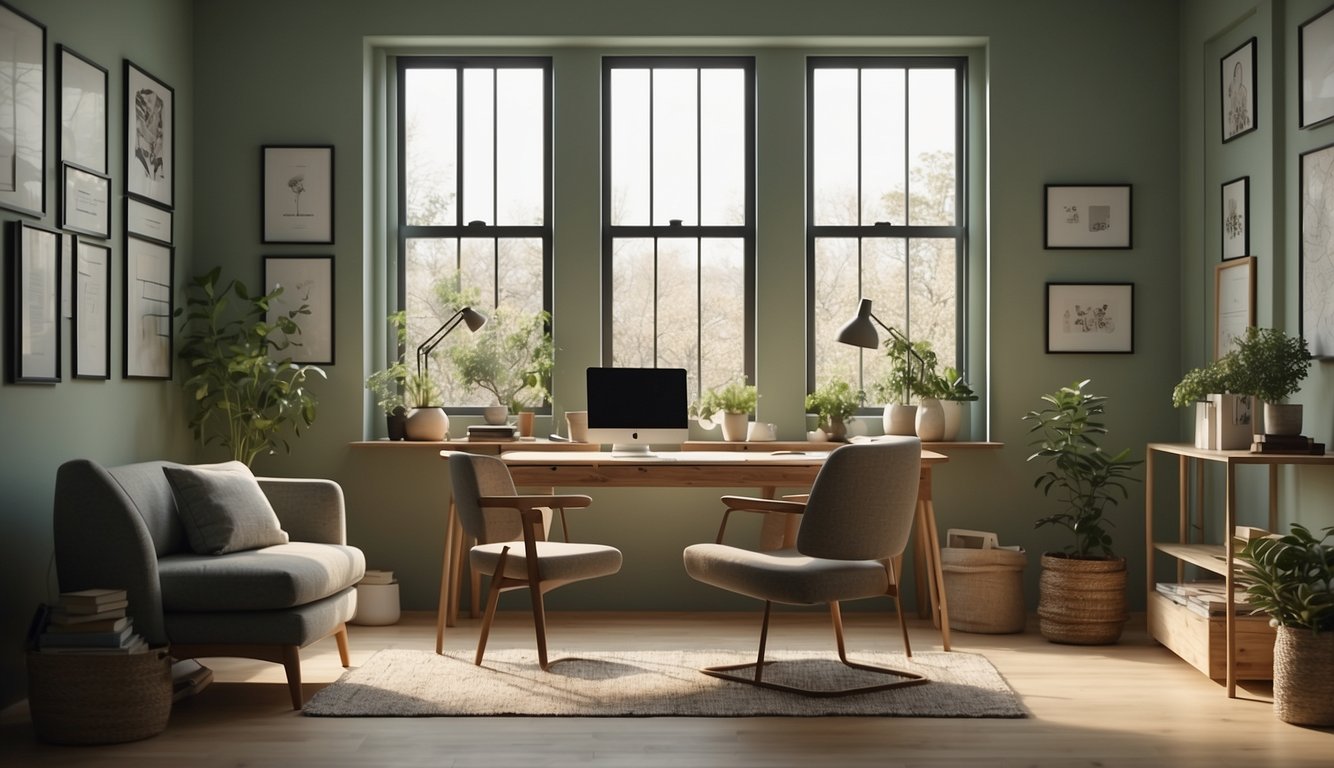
[
  {"x": 907, "y": 344},
  {"x": 427, "y": 347}
]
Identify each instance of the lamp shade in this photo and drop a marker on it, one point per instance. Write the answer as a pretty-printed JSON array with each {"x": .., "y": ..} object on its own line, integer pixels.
[
  {"x": 860, "y": 330},
  {"x": 473, "y": 319}
]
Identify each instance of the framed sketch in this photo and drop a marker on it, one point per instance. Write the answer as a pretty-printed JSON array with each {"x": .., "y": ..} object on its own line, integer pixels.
[
  {"x": 148, "y": 306},
  {"x": 1234, "y": 302},
  {"x": 148, "y": 221},
  {"x": 85, "y": 202},
  {"x": 22, "y": 112},
  {"x": 83, "y": 111},
  {"x": 35, "y": 304},
  {"x": 91, "y": 324},
  {"x": 150, "y": 137},
  {"x": 1317, "y": 250},
  {"x": 1237, "y": 90},
  {"x": 307, "y": 281},
  {"x": 1089, "y": 216},
  {"x": 1236, "y": 212},
  {"x": 1090, "y": 317},
  {"x": 297, "y": 200},
  {"x": 1315, "y": 64}
]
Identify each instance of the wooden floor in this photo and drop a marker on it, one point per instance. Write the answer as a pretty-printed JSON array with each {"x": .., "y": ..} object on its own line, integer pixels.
[{"x": 1133, "y": 704}]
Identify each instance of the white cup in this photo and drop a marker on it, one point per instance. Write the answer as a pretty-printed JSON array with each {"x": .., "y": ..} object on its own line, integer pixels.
[
  {"x": 762, "y": 432},
  {"x": 577, "y": 421}
]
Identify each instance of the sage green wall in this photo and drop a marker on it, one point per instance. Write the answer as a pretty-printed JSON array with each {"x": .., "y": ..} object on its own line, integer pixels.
[{"x": 113, "y": 421}]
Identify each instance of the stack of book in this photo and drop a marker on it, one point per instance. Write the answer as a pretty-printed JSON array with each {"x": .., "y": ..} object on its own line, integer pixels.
[
  {"x": 377, "y": 577},
  {"x": 1205, "y": 598},
  {"x": 91, "y": 621},
  {"x": 1298, "y": 444},
  {"x": 492, "y": 432}
]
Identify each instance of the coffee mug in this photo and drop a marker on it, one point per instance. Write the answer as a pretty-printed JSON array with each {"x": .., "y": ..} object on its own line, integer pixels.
[
  {"x": 577, "y": 421},
  {"x": 762, "y": 432}
]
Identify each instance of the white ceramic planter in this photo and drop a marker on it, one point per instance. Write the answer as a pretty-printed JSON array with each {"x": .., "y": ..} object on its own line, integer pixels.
[
  {"x": 900, "y": 419},
  {"x": 930, "y": 422},
  {"x": 427, "y": 424}
]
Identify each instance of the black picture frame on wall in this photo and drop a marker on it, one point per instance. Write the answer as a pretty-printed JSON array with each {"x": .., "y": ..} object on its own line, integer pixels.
[
  {"x": 306, "y": 281},
  {"x": 148, "y": 303},
  {"x": 1315, "y": 66},
  {"x": 1236, "y": 80},
  {"x": 34, "y": 301},
  {"x": 22, "y": 112},
  {"x": 1092, "y": 216},
  {"x": 150, "y": 137},
  {"x": 85, "y": 201},
  {"x": 1316, "y": 240},
  {"x": 1235, "y": 211},
  {"x": 1090, "y": 318},
  {"x": 297, "y": 194},
  {"x": 82, "y": 106},
  {"x": 90, "y": 324}
]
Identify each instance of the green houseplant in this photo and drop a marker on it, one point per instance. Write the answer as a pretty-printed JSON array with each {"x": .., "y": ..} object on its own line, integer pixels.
[
  {"x": 511, "y": 359},
  {"x": 912, "y": 371},
  {"x": 387, "y": 384},
  {"x": 246, "y": 391},
  {"x": 955, "y": 393},
  {"x": 1291, "y": 579},
  {"x": 734, "y": 401},
  {"x": 1270, "y": 365},
  {"x": 1082, "y": 590},
  {"x": 834, "y": 403}
]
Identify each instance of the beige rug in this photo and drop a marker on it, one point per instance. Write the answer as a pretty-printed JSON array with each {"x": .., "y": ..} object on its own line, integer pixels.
[{"x": 401, "y": 683}]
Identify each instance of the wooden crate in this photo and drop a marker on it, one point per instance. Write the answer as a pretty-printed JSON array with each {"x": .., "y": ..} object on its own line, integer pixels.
[{"x": 1202, "y": 641}]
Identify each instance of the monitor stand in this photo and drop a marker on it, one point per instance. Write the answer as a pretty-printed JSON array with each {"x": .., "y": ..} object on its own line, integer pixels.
[{"x": 635, "y": 451}]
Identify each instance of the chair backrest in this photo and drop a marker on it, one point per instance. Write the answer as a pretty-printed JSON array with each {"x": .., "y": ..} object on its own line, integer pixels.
[
  {"x": 472, "y": 477},
  {"x": 862, "y": 503}
]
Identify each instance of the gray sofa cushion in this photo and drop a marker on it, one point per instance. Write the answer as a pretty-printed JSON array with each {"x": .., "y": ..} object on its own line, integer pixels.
[
  {"x": 271, "y": 578},
  {"x": 223, "y": 509}
]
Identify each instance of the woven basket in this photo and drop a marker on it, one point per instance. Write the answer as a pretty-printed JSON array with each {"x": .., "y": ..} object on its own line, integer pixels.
[
  {"x": 1304, "y": 676},
  {"x": 1082, "y": 601},
  {"x": 87, "y": 698},
  {"x": 985, "y": 589}
]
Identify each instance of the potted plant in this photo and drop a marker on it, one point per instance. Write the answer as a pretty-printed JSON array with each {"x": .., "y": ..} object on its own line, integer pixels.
[
  {"x": 728, "y": 405},
  {"x": 1223, "y": 415},
  {"x": 955, "y": 394},
  {"x": 1291, "y": 578},
  {"x": 833, "y": 404},
  {"x": 427, "y": 419},
  {"x": 1270, "y": 365},
  {"x": 912, "y": 369},
  {"x": 1082, "y": 596},
  {"x": 246, "y": 392},
  {"x": 511, "y": 360},
  {"x": 387, "y": 384}
]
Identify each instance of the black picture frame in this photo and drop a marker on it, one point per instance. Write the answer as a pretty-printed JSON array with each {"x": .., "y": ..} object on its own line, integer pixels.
[
  {"x": 82, "y": 106},
  {"x": 1090, "y": 318},
  {"x": 1316, "y": 243},
  {"x": 90, "y": 324},
  {"x": 309, "y": 281},
  {"x": 149, "y": 221},
  {"x": 148, "y": 302},
  {"x": 1236, "y": 88},
  {"x": 1087, "y": 216},
  {"x": 1315, "y": 66},
  {"x": 297, "y": 194},
  {"x": 1235, "y": 212},
  {"x": 35, "y": 316},
  {"x": 150, "y": 137},
  {"x": 23, "y": 116},
  {"x": 85, "y": 201}
]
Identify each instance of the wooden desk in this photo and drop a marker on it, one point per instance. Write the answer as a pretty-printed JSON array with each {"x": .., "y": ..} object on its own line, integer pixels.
[{"x": 694, "y": 469}]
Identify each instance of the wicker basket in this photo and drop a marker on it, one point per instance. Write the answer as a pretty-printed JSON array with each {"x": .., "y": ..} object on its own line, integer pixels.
[
  {"x": 88, "y": 698},
  {"x": 1082, "y": 601},
  {"x": 985, "y": 589},
  {"x": 1303, "y": 676}
]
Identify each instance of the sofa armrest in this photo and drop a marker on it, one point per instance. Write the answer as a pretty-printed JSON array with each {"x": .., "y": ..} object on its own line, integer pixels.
[{"x": 309, "y": 509}]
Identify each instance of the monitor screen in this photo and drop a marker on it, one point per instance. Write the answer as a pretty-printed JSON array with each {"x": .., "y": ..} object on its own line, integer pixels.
[{"x": 631, "y": 408}]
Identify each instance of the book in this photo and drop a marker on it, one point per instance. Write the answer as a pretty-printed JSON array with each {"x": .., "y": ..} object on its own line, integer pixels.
[
  {"x": 188, "y": 677},
  {"x": 92, "y": 597},
  {"x": 86, "y": 627},
  {"x": 377, "y": 577},
  {"x": 87, "y": 608},
  {"x": 1296, "y": 441},
  {"x": 61, "y": 616},
  {"x": 135, "y": 644},
  {"x": 115, "y": 639},
  {"x": 492, "y": 432},
  {"x": 1314, "y": 449}
]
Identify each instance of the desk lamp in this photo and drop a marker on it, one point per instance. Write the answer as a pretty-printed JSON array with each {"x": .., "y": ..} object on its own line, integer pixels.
[
  {"x": 860, "y": 332},
  {"x": 468, "y": 315}
]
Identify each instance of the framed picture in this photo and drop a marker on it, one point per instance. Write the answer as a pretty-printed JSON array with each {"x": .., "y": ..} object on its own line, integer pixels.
[
  {"x": 1089, "y": 216},
  {"x": 150, "y": 137},
  {"x": 148, "y": 307},
  {"x": 1236, "y": 212},
  {"x": 91, "y": 323},
  {"x": 35, "y": 304},
  {"x": 83, "y": 111},
  {"x": 307, "y": 281},
  {"x": 297, "y": 200},
  {"x": 148, "y": 221},
  {"x": 1090, "y": 317},
  {"x": 1317, "y": 250},
  {"x": 1237, "y": 90},
  {"x": 1315, "y": 63},
  {"x": 1234, "y": 302},
  {"x": 22, "y": 112},
  {"x": 85, "y": 204}
]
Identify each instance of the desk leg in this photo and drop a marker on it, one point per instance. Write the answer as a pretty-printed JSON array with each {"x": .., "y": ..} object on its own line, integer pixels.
[
  {"x": 442, "y": 617},
  {"x": 931, "y": 600}
]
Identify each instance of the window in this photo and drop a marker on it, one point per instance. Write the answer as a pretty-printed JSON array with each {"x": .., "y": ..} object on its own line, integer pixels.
[
  {"x": 678, "y": 238},
  {"x": 474, "y": 198},
  {"x": 885, "y": 216}
]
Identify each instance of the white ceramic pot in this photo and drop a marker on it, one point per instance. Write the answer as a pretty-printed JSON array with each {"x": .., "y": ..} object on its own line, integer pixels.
[
  {"x": 930, "y": 422},
  {"x": 900, "y": 419},
  {"x": 495, "y": 414},
  {"x": 953, "y": 410},
  {"x": 734, "y": 426},
  {"x": 427, "y": 424}
]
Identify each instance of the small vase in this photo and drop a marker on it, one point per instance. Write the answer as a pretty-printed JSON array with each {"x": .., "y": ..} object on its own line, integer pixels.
[
  {"x": 900, "y": 419},
  {"x": 930, "y": 422},
  {"x": 734, "y": 427},
  {"x": 953, "y": 410},
  {"x": 427, "y": 424},
  {"x": 837, "y": 431}
]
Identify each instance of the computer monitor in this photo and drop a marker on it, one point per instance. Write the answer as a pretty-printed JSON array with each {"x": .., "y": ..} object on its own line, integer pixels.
[{"x": 631, "y": 408}]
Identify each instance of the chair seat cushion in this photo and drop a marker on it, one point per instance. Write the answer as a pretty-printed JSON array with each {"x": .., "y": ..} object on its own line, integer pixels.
[
  {"x": 785, "y": 575},
  {"x": 561, "y": 561},
  {"x": 271, "y": 578}
]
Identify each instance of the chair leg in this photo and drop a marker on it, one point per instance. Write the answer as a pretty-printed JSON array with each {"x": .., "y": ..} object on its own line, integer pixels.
[
  {"x": 903, "y": 625},
  {"x": 493, "y": 597},
  {"x": 539, "y": 624},
  {"x": 764, "y": 640},
  {"x": 340, "y": 637},
  {"x": 292, "y": 663}
]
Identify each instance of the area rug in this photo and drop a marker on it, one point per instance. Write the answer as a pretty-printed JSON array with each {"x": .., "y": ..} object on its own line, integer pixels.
[{"x": 406, "y": 683}]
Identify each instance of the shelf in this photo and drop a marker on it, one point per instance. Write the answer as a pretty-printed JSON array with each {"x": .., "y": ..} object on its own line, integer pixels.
[
  {"x": 1210, "y": 557},
  {"x": 1202, "y": 641}
]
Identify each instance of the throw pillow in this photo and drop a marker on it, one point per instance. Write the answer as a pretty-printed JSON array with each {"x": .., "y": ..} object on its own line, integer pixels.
[{"x": 223, "y": 509}]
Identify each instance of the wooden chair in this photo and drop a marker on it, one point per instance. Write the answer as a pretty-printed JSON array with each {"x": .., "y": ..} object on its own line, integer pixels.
[
  {"x": 512, "y": 548},
  {"x": 855, "y": 524}
]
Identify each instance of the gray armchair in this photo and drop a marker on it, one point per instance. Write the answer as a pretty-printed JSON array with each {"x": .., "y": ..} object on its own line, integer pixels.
[{"x": 119, "y": 527}]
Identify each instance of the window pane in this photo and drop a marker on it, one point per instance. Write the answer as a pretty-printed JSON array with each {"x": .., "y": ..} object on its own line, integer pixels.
[
  {"x": 675, "y": 146},
  {"x": 632, "y": 302},
  {"x": 521, "y": 274},
  {"x": 722, "y": 147},
  {"x": 834, "y": 155},
  {"x": 520, "y": 151},
  {"x": 933, "y": 298},
  {"x": 629, "y": 147},
  {"x": 837, "y": 291},
  {"x": 477, "y": 269},
  {"x": 884, "y": 275},
  {"x": 931, "y": 133},
  {"x": 722, "y": 311},
  {"x": 882, "y": 142},
  {"x": 429, "y": 262},
  {"x": 678, "y": 305},
  {"x": 430, "y": 136},
  {"x": 479, "y": 147}
]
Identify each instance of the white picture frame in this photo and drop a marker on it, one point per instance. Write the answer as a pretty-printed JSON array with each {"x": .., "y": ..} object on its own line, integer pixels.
[{"x": 1234, "y": 302}]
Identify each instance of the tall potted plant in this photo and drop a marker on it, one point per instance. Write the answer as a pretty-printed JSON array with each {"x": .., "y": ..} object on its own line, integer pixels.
[
  {"x": 247, "y": 394},
  {"x": 833, "y": 404},
  {"x": 1270, "y": 365},
  {"x": 911, "y": 369},
  {"x": 1082, "y": 596},
  {"x": 1291, "y": 578},
  {"x": 728, "y": 405}
]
